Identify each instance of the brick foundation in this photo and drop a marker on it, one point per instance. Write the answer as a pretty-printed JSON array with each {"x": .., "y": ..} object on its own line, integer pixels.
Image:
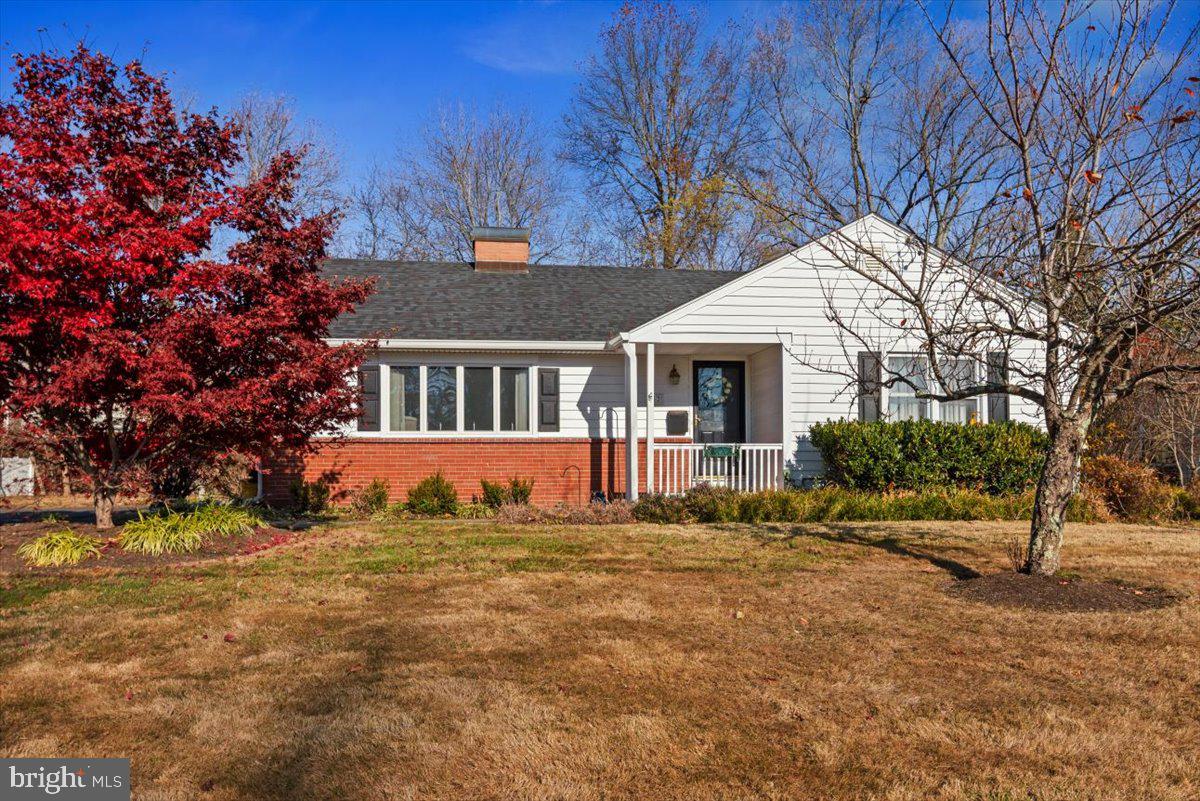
[{"x": 564, "y": 470}]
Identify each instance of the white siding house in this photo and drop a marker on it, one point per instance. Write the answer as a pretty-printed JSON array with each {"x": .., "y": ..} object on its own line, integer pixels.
[{"x": 688, "y": 377}]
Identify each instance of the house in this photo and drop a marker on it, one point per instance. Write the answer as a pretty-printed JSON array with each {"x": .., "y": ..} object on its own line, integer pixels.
[{"x": 604, "y": 381}]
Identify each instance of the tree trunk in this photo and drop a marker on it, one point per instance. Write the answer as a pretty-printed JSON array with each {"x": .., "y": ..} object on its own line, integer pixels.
[
  {"x": 1059, "y": 481},
  {"x": 103, "y": 500}
]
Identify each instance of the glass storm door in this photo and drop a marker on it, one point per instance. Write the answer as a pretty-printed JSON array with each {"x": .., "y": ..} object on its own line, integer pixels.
[{"x": 719, "y": 397}]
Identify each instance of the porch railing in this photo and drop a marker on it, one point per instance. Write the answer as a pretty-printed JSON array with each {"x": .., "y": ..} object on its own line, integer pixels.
[{"x": 746, "y": 467}]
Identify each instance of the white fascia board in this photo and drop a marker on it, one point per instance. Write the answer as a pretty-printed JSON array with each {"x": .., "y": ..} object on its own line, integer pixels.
[
  {"x": 756, "y": 338},
  {"x": 527, "y": 346}
]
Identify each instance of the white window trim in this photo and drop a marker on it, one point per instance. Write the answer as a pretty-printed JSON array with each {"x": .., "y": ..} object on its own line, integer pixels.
[
  {"x": 424, "y": 432},
  {"x": 935, "y": 406}
]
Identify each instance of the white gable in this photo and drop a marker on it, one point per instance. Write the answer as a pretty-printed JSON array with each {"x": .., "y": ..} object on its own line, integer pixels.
[{"x": 788, "y": 301}]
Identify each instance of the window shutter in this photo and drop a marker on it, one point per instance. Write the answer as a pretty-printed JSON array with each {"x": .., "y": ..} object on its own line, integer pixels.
[
  {"x": 547, "y": 399},
  {"x": 997, "y": 362},
  {"x": 368, "y": 385},
  {"x": 870, "y": 383}
]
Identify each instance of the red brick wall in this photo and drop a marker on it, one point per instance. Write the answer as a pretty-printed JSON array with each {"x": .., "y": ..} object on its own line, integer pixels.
[{"x": 563, "y": 470}]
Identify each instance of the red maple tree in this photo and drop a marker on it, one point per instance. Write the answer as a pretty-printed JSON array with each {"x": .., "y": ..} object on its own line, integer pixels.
[{"x": 128, "y": 345}]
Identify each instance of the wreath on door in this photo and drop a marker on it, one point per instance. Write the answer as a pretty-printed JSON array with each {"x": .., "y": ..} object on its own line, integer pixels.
[{"x": 715, "y": 390}]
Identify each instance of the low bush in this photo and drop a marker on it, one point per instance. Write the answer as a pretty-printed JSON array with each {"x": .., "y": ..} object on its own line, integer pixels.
[
  {"x": 309, "y": 497},
  {"x": 370, "y": 500},
  {"x": 433, "y": 496},
  {"x": 837, "y": 504},
  {"x": 59, "y": 547},
  {"x": 997, "y": 458},
  {"x": 185, "y": 531},
  {"x": 1187, "y": 501},
  {"x": 517, "y": 491},
  {"x": 1132, "y": 491},
  {"x": 594, "y": 514},
  {"x": 494, "y": 495},
  {"x": 474, "y": 511},
  {"x": 159, "y": 534},
  {"x": 520, "y": 490}
]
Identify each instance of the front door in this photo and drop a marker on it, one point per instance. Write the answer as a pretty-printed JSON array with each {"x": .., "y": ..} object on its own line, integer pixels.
[{"x": 719, "y": 397}]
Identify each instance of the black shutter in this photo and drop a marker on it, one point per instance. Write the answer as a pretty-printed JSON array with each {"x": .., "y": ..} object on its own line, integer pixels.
[
  {"x": 547, "y": 399},
  {"x": 870, "y": 383},
  {"x": 997, "y": 362},
  {"x": 368, "y": 384}
]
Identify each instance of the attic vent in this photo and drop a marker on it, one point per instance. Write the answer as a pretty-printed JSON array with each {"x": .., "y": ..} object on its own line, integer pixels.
[
  {"x": 501, "y": 250},
  {"x": 867, "y": 263}
]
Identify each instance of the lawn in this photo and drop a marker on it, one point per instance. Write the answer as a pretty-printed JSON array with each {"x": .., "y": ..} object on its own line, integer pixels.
[{"x": 473, "y": 660}]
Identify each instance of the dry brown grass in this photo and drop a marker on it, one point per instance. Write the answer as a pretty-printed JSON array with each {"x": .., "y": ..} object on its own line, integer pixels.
[{"x": 475, "y": 660}]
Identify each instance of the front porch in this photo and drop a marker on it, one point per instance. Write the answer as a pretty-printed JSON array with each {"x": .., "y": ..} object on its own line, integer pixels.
[{"x": 710, "y": 413}]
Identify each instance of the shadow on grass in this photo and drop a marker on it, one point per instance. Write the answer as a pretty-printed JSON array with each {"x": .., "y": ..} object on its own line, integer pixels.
[
  {"x": 326, "y": 716},
  {"x": 885, "y": 541}
]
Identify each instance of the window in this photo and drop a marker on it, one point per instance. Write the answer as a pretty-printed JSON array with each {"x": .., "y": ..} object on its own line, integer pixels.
[
  {"x": 514, "y": 399},
  {"x": 368, "y": 410},
  {"x": 477, "y": 399},
  {"x": 903, "y": 403},
  {"x": 405, "y": 399},
  {"x": 959, "y": 374},
  {"x": 441, "y": 399}
]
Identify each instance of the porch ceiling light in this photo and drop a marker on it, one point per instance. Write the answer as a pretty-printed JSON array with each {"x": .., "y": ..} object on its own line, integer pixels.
[{"x": 673, "y": 376}]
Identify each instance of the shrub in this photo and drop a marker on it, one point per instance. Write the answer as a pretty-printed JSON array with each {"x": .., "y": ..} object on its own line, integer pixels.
[
  {"x": 520, "y": 490},
  {"x": 309, "y": 497},
  {"x": 224, "y": 520},
  {"x": 184, "y": 532},
  {"x": 659, "y": 509},
  {"x": 1130, "y": 490},
  {"x": 59, "y": 547},
  {"x": 370, "y": 499},
  {"x": 474, "y": 511},
  {"x": 494, "y": 495},
  {"x": 1187, "y": 501},
  {"x": 159, "y": 534},
  {"x": 997, "y": 458},
  {"x": 835, "y": 504},
  {"x": 594, "y": 514},
  {"x": 393, "y": 513},
  {"x": 433, "y": 496},
  {"x": 517, "y": 491}
]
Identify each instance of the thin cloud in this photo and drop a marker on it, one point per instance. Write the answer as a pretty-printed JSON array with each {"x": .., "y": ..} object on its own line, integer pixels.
[{"x": 527, "y": 46}]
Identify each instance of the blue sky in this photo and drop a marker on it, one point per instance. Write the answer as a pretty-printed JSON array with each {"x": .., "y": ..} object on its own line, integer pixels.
[{"x": 367, "y": 73}]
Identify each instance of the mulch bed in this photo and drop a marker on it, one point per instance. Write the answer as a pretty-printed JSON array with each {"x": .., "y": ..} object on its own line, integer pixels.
[
  {"x": 12, "y": 535},
  {"x": 1055, "y": 594}
]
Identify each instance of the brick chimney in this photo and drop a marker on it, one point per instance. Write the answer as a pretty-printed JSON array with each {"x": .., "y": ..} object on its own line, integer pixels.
[{"x": 501, "y": 250}]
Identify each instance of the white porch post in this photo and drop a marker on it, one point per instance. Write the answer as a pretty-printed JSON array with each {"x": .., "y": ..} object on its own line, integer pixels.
[
  {"x": 631, "y": 428},
  {"x": 785, "y": 406},
  {"x": 649, "y": 417}
]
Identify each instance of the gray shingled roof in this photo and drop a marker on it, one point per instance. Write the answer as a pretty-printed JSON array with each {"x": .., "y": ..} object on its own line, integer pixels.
[{"x": 436, "y": 300}]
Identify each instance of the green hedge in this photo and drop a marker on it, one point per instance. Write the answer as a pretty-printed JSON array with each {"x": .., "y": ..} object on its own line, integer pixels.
[
  {"x": 997, "y": 458},
  {"x": 835, "y": 504}
]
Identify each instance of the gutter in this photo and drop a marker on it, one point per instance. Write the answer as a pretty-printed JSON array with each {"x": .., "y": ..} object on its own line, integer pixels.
[{"x": 537, "y": 346}]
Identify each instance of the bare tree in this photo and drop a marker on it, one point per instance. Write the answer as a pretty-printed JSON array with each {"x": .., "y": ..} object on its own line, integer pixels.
[
  {"x": 469, "y": 170},
  {"x": 1158, "y": 427},
  {"x": 1078, "y": 245},
  {"x": 268, "y": 126},
  {"x": 660, "y": 124},
  {"x": 867, "y": 115}
]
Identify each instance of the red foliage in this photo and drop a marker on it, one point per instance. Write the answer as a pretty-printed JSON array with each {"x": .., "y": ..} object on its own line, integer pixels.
[{"x": 126, "y": 343}]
